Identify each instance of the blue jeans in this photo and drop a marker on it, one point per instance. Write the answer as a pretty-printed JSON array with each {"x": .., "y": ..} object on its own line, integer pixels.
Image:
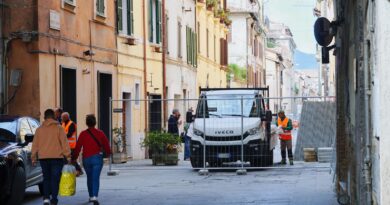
[
  {"x": 187, "y": 153},
  {"x": 51, "y": 170},
  {"x": 93, "y": 167}
]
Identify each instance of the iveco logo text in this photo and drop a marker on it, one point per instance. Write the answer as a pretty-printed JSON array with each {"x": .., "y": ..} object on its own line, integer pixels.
[{"x": 224, "y": 132}]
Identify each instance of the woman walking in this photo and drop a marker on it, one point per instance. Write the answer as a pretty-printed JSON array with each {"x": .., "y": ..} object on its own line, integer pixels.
[{"x": 94, "y": 144}]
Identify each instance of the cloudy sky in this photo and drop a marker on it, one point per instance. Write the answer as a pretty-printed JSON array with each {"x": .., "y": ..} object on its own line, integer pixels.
[{"x": 298, "y": 15}]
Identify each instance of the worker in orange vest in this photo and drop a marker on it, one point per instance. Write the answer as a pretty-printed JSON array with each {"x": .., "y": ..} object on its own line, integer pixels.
[
  {"x": 285, "y": 138},
  {"x": 71, "y": 132}
]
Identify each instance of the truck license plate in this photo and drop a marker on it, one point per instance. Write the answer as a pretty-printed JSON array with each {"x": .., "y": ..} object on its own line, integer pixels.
[{"x": 223, "y": 155}]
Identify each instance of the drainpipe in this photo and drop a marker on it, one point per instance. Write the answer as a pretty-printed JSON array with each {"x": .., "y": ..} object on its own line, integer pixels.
[
  {"x": 145, "y": 67},
  {"x": 164, "y": 48}
]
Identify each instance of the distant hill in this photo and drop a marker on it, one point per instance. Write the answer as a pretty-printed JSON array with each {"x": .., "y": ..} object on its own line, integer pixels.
[{"x": 305, "y": 61}]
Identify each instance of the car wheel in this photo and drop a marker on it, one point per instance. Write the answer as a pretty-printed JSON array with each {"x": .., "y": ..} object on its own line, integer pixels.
[{"x": 18, "y": 187}]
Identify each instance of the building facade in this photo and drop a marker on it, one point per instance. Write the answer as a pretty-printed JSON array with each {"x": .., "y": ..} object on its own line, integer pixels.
[
  {"x": 181, "y": 55},
  {"x": 212, "y": 45},
  {"x": 247, "y": 40},
  {"x": 274, "y": 65},
  {"x": 69, "y": 58},
  {"x": 280, "y": 39},
  {"x": 327, "y": 80},
  {"x": 362, "y": 92}
]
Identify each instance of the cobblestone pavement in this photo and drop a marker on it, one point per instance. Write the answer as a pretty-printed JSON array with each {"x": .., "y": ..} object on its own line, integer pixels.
[{"x": 140, "y": 183}]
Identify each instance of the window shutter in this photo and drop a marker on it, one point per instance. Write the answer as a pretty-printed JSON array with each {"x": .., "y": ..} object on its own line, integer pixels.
[
  {"x": 150, "y": 20},
  {"x": 119, "y": 15},
  {"x": 193, "y": 48},
  {"x": 128, "y": 17},
  {"x": 158, "y": 21},
  {"x": 103, "y": 7},
  {"x": 196, "y": 49},
  {"x": 132, "y": 16},
  {"x": 187, "y": 45}
]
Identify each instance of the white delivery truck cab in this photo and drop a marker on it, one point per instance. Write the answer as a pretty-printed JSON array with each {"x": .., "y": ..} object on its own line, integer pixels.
[{"x": 231, "y": 125}]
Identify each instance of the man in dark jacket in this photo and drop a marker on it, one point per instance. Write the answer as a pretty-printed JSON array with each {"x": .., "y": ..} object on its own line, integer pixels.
[{"x": 174, "y": 122}]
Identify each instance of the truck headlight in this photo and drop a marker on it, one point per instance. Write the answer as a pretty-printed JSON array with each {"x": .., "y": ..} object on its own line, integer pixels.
[
  {"x": 198, "y": 132},
  {"x": 254, "y": 131}
]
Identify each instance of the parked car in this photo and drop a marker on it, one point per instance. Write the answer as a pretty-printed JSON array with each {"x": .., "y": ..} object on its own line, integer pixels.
[{"x": 16, "y": 170}]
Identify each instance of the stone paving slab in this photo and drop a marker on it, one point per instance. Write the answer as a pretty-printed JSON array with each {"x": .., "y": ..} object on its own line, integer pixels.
[{"x": 140, "y": 183}]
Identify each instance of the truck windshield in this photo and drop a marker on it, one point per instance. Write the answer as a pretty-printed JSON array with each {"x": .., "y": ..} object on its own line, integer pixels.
[{"x": 219, "y": 106}]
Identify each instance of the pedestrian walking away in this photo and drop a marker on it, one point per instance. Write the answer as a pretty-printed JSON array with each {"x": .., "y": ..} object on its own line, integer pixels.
[
  {"x": 285, "y": 138},
  {"x": 71, "y": 132},
  {"x": 50, "y": 147},
  {"x": 95, "y": 145}
]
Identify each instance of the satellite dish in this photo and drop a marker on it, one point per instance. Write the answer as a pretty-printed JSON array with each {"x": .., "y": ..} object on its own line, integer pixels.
[{"x": 322, "y": 31}]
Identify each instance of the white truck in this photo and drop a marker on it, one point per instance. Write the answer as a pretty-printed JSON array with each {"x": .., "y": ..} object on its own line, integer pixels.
[{"x": 231, "y": 125}]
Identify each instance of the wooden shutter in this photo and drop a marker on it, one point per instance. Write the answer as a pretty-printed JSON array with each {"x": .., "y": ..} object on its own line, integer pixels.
[
  {"x": 100, "y": 6},
  {"x": 119, "y": 15}
]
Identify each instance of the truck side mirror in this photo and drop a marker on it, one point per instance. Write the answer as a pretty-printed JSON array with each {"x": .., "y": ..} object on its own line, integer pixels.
[
  {"x": 29, "y": 138},
  {"x": 266, "y": 116}
]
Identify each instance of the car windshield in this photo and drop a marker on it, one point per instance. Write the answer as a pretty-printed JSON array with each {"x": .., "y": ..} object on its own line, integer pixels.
[
  {"x": 8, "y": 131},
  {"x": 230, "y": 106}
]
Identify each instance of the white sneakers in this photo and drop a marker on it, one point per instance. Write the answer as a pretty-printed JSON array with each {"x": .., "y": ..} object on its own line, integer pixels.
[
  {"x": 46, "y": 202},
  {"x": 94, "y": 200}
]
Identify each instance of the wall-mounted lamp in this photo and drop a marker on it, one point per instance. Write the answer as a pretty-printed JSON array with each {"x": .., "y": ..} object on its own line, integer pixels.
[
  {"x": 86, "y": 71},
  {"x": 89, "y": 53},
  {"x": 186, "y": 10}
]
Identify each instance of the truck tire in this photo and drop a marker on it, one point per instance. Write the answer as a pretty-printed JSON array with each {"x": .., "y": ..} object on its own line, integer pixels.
[
  {"x": 18, "y": 187},
  {"x": 196, "y": 162}
]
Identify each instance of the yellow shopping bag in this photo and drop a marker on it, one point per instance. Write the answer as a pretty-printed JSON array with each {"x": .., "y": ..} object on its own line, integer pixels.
[{"x": 68, "y": 181}]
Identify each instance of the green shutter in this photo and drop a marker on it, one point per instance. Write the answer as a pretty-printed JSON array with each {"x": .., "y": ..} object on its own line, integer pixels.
[
  {"x": 119, "y": 15},
  {"x": 131, "y": 17},
  {"x": 100, "y": 6},
  {"x": 187, "y": 45},
  {"x": 128, "y": 17},
  {"x": 196, "y": 49},
  {"x": 150, "y": 20},
  {"x": 158, "y": 21}
]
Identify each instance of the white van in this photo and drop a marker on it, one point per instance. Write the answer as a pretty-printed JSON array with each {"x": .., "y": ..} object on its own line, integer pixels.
[{"x": 228, "y": 121}]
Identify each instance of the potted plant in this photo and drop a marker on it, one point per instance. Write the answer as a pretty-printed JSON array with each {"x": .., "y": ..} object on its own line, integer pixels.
[
  {"x": 228, "y": 22},
  {"x": 210, "y": 4},
  {"x": 164, "y": 147}
]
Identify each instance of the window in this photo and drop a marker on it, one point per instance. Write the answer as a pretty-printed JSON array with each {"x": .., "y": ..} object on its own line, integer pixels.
[
  {"x": 137, "y": 94},
  {"x": 207, "y": 42},
  {"x": 223, "y": 52},
  {"x": 125, "y": 9},
  {"x": 33, "y": 124},
  {"x": 100, "y": 7},
  {"x": 155, "y": 21},
  {"x": 70, "y": 2},
  {"x": 179, "y": 45}
]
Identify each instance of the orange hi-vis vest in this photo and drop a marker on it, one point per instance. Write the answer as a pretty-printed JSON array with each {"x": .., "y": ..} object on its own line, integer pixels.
[
  {"x": 71, "y": 140},
  {"x": 287, "y": 133}
]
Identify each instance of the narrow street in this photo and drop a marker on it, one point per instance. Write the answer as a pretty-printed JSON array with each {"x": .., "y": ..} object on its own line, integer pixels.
[{"x": 140, "y": 183}]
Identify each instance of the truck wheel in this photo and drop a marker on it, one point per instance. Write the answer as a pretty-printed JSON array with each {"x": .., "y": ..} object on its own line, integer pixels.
[
  {"x": 196, "y": 162},
  {"x": 18, "y": 187}
]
